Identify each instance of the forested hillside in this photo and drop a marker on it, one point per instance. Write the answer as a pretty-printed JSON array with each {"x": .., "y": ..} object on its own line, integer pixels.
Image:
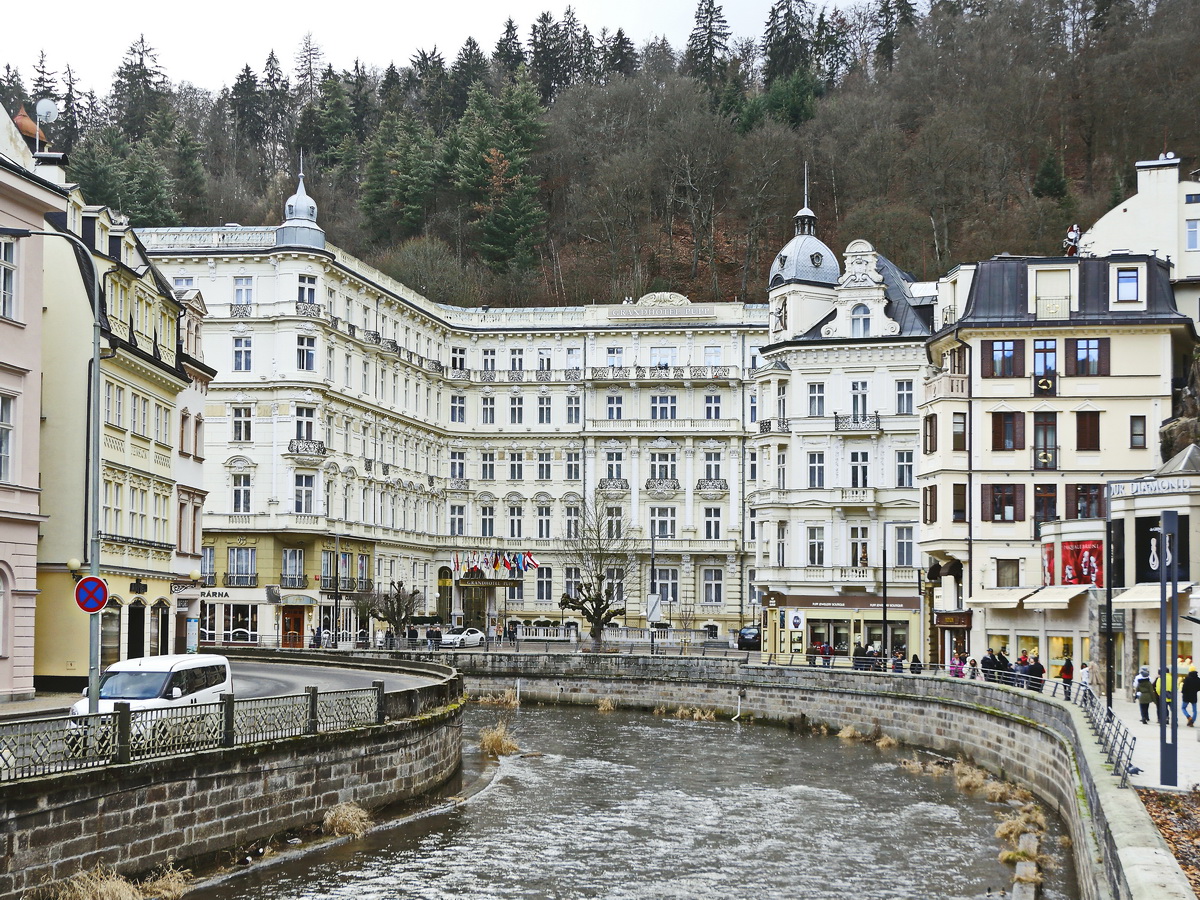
[{"x": 563, "y": 166}]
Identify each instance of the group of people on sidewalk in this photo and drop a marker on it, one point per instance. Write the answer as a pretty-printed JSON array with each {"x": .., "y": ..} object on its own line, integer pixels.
[{"x": 1159, "y": 693}]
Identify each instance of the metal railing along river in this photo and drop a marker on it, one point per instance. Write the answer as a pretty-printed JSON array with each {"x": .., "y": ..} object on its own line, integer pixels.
[{"x": 43, "y": 746}]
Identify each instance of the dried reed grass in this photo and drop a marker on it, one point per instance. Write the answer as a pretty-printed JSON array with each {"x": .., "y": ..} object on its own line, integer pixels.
[
  {"x": 347, "y": 819},
  {"x": 606, "y": 704},
  {"x": 507, "y": 700},
  {"x": 168, "y": 883},
  {"x": 660, "y": 710},
  {"x": 850, "y": 733},
  {"x": 496, "y": 741},
  {"x": 887, "y": 742}
]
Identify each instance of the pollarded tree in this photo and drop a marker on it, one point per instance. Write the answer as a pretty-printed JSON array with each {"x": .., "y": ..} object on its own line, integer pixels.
[
  {"x": 599, "y": 545},
  {"x": 395, "y": 605}
]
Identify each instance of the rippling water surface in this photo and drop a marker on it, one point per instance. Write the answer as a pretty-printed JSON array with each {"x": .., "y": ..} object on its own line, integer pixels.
[{"x": 626, "y": 805}]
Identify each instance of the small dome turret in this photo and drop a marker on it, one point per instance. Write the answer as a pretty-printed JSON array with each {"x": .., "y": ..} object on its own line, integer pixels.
[
  {"x": 300, "y": 228},
  {"x": 805, "y": 258}
]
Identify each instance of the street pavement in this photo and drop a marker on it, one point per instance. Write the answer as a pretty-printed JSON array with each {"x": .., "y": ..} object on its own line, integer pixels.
[{"x": 1146, "y": 750}]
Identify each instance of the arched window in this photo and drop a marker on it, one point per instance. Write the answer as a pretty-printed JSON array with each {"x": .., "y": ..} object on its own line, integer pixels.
[{"x": 860, "y": 321}]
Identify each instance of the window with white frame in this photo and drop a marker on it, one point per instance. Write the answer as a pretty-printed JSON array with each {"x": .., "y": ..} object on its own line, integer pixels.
[
  {"x": 613, "y": 522},
  {"x": 487, "y": 410},
  {"x": 663, "y": 406},
  {"x": 860, "y": 321},
  {"x": 306, "y": 353},
  {"x": 662, "y": 521},
  {"x": 614, "y": 406},
  {"x": 712, "y": 356},
  {"x": 458, "y": 358},
  {"x": 781, "y": 481},
  {"x": 516, "y": 410},
  {"x": 543, "y": 522},
  {"x": 306, "y": 292},
  {"x": 667, "y": 582},
  {"x": 574, "y": 358},
  {"x": 543, "y": 465},
  {"x": 293, "y": 567},
  {"x": 458, "y": 408},
  {"x": 752, "y": 467},
  {"x": 241, "y": 354},
  {"x": 904, "y": 468},
  {"x": 904, "y": 397},
  {"x": 753, "y": 408},
  {"x": 781, "y": 544},
  {"x": 8, "y": 280},
  {"x": 816, "y": 545},
  {"x": 545, "y": 584},
  {"x": 458, "y": 463},
  {"x": 458, "y": 519},
  {"x": 243, "y": 291},
  {"x": 516, "y": 465},
  {"x": 516, "y": 518},
  {"x": 781, "y": 400},
  {"x": 1193, "y": 234},
  {"x": 712, "y": 406},
  {"x": 858, "y": 399},
  {"x": 904, "y": 545},
  {"x": 573, "y": 410},
  {"x": 614, "y": 356},
  {"x": 304, "y": 493},
  {"x": 306, "y": 417},
  {"x": 713, "y": 580},
  {"x": 571, "y": 579},
  {"x": 489, "y": 360},
  {"x": 572, "y": 522},
  {"x": 712, "y": 464},
  {"x": 816, "y": 399},
  {"x": 241, "y": 492},
  {"x": 816, "y": 469},
  {"x": 544, "y": 359},
  {"x": 859, "y": 467},
  {"x": 487, "y": 521},
  {"x": 1128, "y": 284},
  {"x": 662, "y": 356},
  {"x": 615, "y": 460},
  {"x": 543, "y": 410},
  {"x": 516, "y": 359},
  {"x": 487, "y": 465},
  {"x": 859, "y": 540},
  {"x": 7, "y": 443},
  {"x": 572, "y": 467},
  {"x": 712, "y": 523},
  {"x": 662, "y": 465}
]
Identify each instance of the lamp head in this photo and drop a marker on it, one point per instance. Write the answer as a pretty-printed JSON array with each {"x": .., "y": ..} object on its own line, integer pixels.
[
  {"x": 74, "y": 564},
  {"x": 194, "y": 575}
]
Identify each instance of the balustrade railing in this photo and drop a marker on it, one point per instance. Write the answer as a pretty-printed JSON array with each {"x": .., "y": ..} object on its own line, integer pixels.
[
  {"x": 856, "y": 422},
  {"x": 311, "y": 448},
  {"x": 311, "y": 310}
]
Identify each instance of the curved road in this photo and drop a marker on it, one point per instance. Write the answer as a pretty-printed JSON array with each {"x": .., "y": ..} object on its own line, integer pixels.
[{"x": 259, "y": 679}]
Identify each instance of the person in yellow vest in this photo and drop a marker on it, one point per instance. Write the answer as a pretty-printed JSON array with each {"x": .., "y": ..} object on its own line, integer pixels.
[{"x": 1163, "y": 685}]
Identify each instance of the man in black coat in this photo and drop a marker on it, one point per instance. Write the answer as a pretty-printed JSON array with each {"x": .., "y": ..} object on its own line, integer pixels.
[
  {"x": 1036, "y": 675},
  {"x": 988, "y": 664},
  {"x": 1003, "y": 669}
]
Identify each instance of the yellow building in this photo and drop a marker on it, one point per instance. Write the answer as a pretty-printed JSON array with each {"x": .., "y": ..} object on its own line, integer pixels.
[{"x": 142, "y": 375}]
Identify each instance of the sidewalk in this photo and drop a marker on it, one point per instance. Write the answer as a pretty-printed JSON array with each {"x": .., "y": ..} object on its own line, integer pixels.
[
  {"x": 1146, "y": 751},
  {"x": 44, "y": 704}
]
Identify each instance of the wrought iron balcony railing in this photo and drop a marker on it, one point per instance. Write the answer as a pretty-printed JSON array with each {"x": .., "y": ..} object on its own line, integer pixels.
[
  {"x": 233, "y": 580},
  {"x": 662, "y": 484},
  {"x": 311, "y": 448},
  {"x": 852, "y": 422},
  {"x": 712, "y": 484},
  {"x": 293, "y": 581},
  {"x": 613, "y": 484}
]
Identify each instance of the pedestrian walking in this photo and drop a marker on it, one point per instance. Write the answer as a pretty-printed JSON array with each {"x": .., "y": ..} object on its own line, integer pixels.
[
  {"x": 1067, "y": 674},
  {"x": 1085, "y": 677},
  {"x": 1144, "y": 693},
  {"x": 1187, "y": 691},
  {"x": 956, "y": 666},
  {"x": 1164, "y": 686},
  {"x": 898, "y": 662},
  {"x": 826, "y": 654},
  {"x": 973, "y": 670},
  {"x": 988, "y": 665},
  {"x": 1004, "y": 673},
  {"x": 915, "y": 665},
  {"x": 1035, "y": 675}
]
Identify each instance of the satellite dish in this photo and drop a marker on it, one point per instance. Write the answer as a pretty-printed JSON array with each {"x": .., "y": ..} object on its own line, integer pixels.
[{"x": 47, "y": 110}]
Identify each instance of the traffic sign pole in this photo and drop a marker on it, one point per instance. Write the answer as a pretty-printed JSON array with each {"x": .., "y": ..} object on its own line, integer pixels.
[{"x": 91, "y": 594}]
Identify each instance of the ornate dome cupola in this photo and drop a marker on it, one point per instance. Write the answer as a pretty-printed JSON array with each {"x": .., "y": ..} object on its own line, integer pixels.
[
  {"x": 806, "y": 222},
  {"x": 805, "y": 258},
  {"x": 300, "y": 228}
]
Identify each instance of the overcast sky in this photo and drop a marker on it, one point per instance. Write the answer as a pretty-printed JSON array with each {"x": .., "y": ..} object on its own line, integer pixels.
[{"x": 207, "y": 43}]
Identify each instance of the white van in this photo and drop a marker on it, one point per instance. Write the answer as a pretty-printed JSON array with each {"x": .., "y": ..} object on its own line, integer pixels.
[{"x": 160, "y": 682}]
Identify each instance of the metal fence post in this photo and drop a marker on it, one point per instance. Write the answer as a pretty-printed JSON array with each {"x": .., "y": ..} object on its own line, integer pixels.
[
  {"x": 380, "y": 711},
  {"x": 313, "y": 723},
  {"x": 228, "y": 737},
  {"x": 124, "y": 732}
]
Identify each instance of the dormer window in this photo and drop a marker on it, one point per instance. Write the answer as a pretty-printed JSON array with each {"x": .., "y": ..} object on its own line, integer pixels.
[{"x": 860, "y": 321}]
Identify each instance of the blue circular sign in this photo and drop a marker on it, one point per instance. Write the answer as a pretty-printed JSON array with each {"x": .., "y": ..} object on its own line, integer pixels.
[{"x": 91, "y": 593}]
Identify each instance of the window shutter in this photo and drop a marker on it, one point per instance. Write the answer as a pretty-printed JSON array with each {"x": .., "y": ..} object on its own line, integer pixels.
[
  {"x": 1072, "y": 510},
  {"x": 1069, "y": 362},
  {"x": 1019, "y": 431},
  {"x": 1018, "y": 359},
  {"x": 997, "y": 431},
  {"x": 1104, "y": 356},
  {"x": 985, "y": 502},
  {"x": 986, "y": 362},
  {"x": 1019, "y": 502}
]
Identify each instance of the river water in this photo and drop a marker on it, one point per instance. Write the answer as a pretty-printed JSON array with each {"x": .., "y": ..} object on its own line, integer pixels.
[{"x": 628, "y": 805}]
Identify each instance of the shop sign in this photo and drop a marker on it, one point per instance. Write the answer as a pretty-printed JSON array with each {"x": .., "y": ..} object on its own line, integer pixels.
[
  {"x": 961, "y": 619},
  {"x": 1118, "y": 620},
  {"x": 1155, "y": 486}
]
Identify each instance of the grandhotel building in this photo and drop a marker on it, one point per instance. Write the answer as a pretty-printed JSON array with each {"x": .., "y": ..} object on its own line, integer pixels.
[{"x": 359, "y": 435}]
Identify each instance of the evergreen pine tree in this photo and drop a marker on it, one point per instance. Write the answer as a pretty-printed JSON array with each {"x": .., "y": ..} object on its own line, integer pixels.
[
  {"x": 191, "y": 181},
  {"x": 308, "y": 70},
  {"x": 708, "y": 45},
  {"x": 149, "y": 200},
  {"x": 549, "y": 57},
  {"x": 334, "y": 119},
  {"x": 98, "y": 167},
  {"x": 620, "y": 57},
  {"x": 139, "y": 90},
  {"x": 68, "y": 128},
  {"x": 509, "y": 55},
  {"x": 786, "y": 44},
  {"x": 469, "y": 67},
  {"x": 12, "y": 90},
  {"x": 246, "y": 102},
  {"x": 45, "y": 81},
  {"x": 277, "y": 113},
  {"x": 1050, "y": 181}
]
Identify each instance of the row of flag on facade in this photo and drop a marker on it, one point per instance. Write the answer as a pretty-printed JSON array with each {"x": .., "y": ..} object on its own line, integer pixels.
[{"x": 494, "y": 560}]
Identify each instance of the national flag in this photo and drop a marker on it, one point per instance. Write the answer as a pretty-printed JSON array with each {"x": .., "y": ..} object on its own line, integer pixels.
[
  {"x": 456, "y": 566},
  {"x": 507, "y": 562},
  {"x": 530, "y": 562},
  {"x": 519, "y": 561},
  {"x": 496, "y": 561}
]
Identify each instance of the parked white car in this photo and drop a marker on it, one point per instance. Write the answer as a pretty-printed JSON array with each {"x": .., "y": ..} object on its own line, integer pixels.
[{"x": 463, "y": 637}]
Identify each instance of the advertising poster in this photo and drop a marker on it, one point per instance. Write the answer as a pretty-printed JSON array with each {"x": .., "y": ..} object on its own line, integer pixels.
[
  {"x": 1083, "y": 562},
  {"x": 1047, "y": 564}
]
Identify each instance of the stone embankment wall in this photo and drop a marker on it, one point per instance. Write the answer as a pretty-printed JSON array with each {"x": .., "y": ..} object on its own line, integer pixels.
[
  {"x": 1031, "y": 739},
  {"x": 192, "y": 808}
]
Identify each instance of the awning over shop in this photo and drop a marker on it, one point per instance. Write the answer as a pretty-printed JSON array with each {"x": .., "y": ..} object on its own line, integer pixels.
[
  {"x": 1001, "y": 598},
  {"x": 1146, "y": 595},
  {"x": 1055, "y": 597}
]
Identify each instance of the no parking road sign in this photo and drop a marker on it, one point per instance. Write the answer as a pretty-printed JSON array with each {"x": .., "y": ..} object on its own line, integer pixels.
[{"x": 91, "y": 593}]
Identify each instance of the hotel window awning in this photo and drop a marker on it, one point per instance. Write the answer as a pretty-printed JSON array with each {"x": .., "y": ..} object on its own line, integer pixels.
[
  {"x": 1056, "y": 596},
  {"x": 1001, "y": 598},
  {"x": 1146, "y": 595}
]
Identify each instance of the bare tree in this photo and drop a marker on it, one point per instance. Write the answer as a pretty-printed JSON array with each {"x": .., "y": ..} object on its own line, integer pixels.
[
  {"x": 395, "y": 605},
  {"x": 599, "y": 545}
]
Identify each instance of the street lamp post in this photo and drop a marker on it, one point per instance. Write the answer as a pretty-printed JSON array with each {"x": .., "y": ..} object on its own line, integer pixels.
[
  {"x": 93, "y": 453},
  {"x": 1168, "y": 606},
  {"x": 887, "y": 638},
  {"x": 1110, "y": 668}
]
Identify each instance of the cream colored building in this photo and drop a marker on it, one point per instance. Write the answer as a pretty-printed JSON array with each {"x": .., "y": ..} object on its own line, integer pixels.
[
  {"x": 1051, "y": 380},
  {"x": 360, "y": 435},
  {"x": 25, "y": 199},
  {"x": 833, "y": 501}
]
